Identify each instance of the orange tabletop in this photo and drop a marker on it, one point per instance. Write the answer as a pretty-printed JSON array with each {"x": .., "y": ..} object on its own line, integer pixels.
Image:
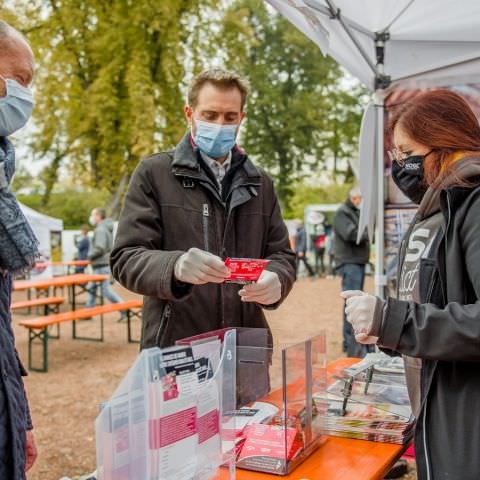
[
  {"x": 70, "y": 263},
  {"x": 63, "y": 281},
  {"x": 340, "y": 458}
]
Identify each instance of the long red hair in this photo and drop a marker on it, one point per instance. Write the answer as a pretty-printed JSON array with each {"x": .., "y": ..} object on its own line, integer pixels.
[{"x": 443, "y": 121}]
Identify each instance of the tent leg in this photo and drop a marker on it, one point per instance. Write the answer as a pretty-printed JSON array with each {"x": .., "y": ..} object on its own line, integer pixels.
[{"x": 380, "y": 277}]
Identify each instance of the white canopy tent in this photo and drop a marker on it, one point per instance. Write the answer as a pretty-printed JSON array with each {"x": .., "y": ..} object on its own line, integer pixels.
[
  {"x": 46, "y": 229},
  {"x": 389, "y": 43}
]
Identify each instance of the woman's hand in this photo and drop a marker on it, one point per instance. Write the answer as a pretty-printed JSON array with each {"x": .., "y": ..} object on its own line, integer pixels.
[{"x": 361, "y": 310}]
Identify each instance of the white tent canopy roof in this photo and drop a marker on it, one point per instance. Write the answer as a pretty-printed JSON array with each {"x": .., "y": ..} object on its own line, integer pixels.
[
  {"x": 36, "y": 218},
  {"x": 384, "y": 43},
  {"x": 428, "y": 42}
]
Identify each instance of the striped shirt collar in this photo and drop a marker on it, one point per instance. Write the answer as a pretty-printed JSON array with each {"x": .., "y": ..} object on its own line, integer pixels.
[{"x": 218, "y": 169}]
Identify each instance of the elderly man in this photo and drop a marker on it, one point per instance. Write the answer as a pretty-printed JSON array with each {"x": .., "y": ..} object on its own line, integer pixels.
[
  {"x": 189, "y": 209},
  {"x": 350, "y": 260},
  {"x": 18, "y": 250}
]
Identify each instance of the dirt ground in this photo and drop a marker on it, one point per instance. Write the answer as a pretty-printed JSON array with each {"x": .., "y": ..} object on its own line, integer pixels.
[{"x": 65, "y": 401}]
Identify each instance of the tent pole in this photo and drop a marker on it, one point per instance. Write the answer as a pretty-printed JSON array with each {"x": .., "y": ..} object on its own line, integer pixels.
[
  {"x": 380, "y": 277},
  {"x": 337, "y": 14}
]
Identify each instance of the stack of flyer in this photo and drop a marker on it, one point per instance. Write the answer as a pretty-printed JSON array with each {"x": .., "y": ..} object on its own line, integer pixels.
[{"x": 369, "y": 401}]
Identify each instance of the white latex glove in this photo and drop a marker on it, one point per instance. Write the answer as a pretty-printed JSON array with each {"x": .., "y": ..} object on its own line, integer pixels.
[
  {"x": 266, "y": 291},
  {"x": 199, "y": 267},
  {"x": 360, "y": 310}
]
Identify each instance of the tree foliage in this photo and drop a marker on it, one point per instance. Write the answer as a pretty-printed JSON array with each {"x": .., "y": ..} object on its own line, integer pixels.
[
  {"x": 299, "y": 115},
  {"x": 109, "y": 82},
  {"x": 308, "y": 194},
  {"x": 111, "y": 79},
  {"x": 71, "y": 205}
]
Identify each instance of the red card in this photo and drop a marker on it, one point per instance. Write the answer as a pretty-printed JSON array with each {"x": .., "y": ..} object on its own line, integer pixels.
[
  {"x": 245, "y": 270},
  {"x": 269, "y": 448}
]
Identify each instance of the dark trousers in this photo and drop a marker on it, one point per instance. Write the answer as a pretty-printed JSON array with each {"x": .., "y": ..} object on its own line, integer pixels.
[
  {"x": 353, "y": 277},
  {"x": 303, "y": 258},
  {"x": 319, "y": 254}
]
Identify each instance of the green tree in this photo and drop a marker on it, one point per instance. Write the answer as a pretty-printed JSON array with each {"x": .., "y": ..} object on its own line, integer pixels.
[
  {"x": 299, "y": 115},
  {"x": 306, "y": 195},
  {"x": 109, "y": 82},
  {"x": 344, "y": 121},
  {"x": 71, "y": 205}
]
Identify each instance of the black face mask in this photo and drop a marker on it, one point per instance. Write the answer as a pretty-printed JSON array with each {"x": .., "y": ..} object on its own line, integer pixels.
[{"x": 409, "y": 177}]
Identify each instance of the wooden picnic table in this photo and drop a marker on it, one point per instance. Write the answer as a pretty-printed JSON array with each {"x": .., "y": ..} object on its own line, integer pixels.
[
  {"x": 72, "y": 282},
  {"x": 340, "y": 458},
  {"x": 70, "y": 264}
]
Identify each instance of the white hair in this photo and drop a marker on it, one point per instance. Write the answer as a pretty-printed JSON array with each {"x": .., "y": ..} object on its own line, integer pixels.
[
  {"x": 355, "y": 191},
  {"x": 5, "y": 29},
  {"x": 8, "y": 33}
]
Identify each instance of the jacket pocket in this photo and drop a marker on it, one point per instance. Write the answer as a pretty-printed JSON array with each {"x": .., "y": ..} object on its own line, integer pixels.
[
  {"x": 429, "y": 282},
  {"x": 161, "y": 338}
]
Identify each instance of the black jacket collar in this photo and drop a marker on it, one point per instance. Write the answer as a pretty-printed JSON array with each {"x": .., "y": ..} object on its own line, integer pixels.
[{"x": 185, "y": 156}]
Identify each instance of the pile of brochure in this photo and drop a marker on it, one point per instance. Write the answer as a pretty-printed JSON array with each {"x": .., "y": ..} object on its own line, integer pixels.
[{"x": 369, "y": 401}]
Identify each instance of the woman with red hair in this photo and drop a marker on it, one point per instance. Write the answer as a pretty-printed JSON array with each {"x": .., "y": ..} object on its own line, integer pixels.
[{"x": 435, "y": 320}]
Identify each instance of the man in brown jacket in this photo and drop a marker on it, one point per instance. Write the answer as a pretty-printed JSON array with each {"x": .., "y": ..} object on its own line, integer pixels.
[{"x": 187, "y": 210}]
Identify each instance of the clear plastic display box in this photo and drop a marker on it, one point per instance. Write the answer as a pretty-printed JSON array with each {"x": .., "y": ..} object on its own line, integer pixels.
[
  {"x": 276, "y": 429},
  {"x": 204, "y": 407}
]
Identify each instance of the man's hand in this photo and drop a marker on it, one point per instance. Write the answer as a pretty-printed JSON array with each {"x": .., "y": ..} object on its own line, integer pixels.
[
  {"x": 360, "y": 311},
  {"x": 199, "y": 267},
  {"x": 266, "y": 291},
  {"x": 31, "y": 451}
]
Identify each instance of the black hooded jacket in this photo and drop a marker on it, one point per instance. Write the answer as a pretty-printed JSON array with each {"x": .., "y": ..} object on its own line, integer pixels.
[
  {"x": 444, "y": 331},
  {"x": 346, "y": 249}
]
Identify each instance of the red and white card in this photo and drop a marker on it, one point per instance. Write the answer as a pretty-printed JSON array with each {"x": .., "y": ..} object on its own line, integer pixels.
[{"x": 245, "y": 270}]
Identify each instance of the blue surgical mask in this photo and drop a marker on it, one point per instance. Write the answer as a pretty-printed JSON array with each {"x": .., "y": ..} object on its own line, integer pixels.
[
  {"x": 213, "y": 139},
  {"x": 15, "y": 108}
]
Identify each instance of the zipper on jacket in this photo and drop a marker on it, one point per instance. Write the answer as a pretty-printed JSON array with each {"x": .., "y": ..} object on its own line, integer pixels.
[
  {"x": 427, "y": 461},
  {"x": 163, "y": 323},
  {"x": 430, "y": 290},
  {"x": 448, "y": 221},
  {"x": 206, "y": 214}
]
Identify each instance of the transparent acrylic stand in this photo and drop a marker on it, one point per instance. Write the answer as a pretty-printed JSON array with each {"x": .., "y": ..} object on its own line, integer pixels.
[{"x": 279, "y": 445}]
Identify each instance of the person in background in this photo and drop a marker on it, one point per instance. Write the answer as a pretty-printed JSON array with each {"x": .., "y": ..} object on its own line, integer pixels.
[
  {"x": 83, "y": 247},
  {"x": 301, "y": 249},
  {"x": 99, "y": 256},
  {"x": 350, "y": 260},
  {"x": 18, "y": 253},
  {"x": 434, "y": 321},
  {"x": 318, "y": 243}
]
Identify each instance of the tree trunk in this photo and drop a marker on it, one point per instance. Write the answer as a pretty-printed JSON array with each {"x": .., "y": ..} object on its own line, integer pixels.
[{"x": 116, "y": 201}]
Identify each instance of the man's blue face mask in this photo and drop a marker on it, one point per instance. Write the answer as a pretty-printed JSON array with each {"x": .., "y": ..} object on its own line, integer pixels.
[
  {"x": 213, "y": 139},
  {"x": 15, "y": 107}
]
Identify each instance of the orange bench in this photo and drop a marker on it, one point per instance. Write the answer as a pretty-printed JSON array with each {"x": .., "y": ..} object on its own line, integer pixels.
[
  {"x": 40, "y": 302},
  {"x": 38, "y": 327}
]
